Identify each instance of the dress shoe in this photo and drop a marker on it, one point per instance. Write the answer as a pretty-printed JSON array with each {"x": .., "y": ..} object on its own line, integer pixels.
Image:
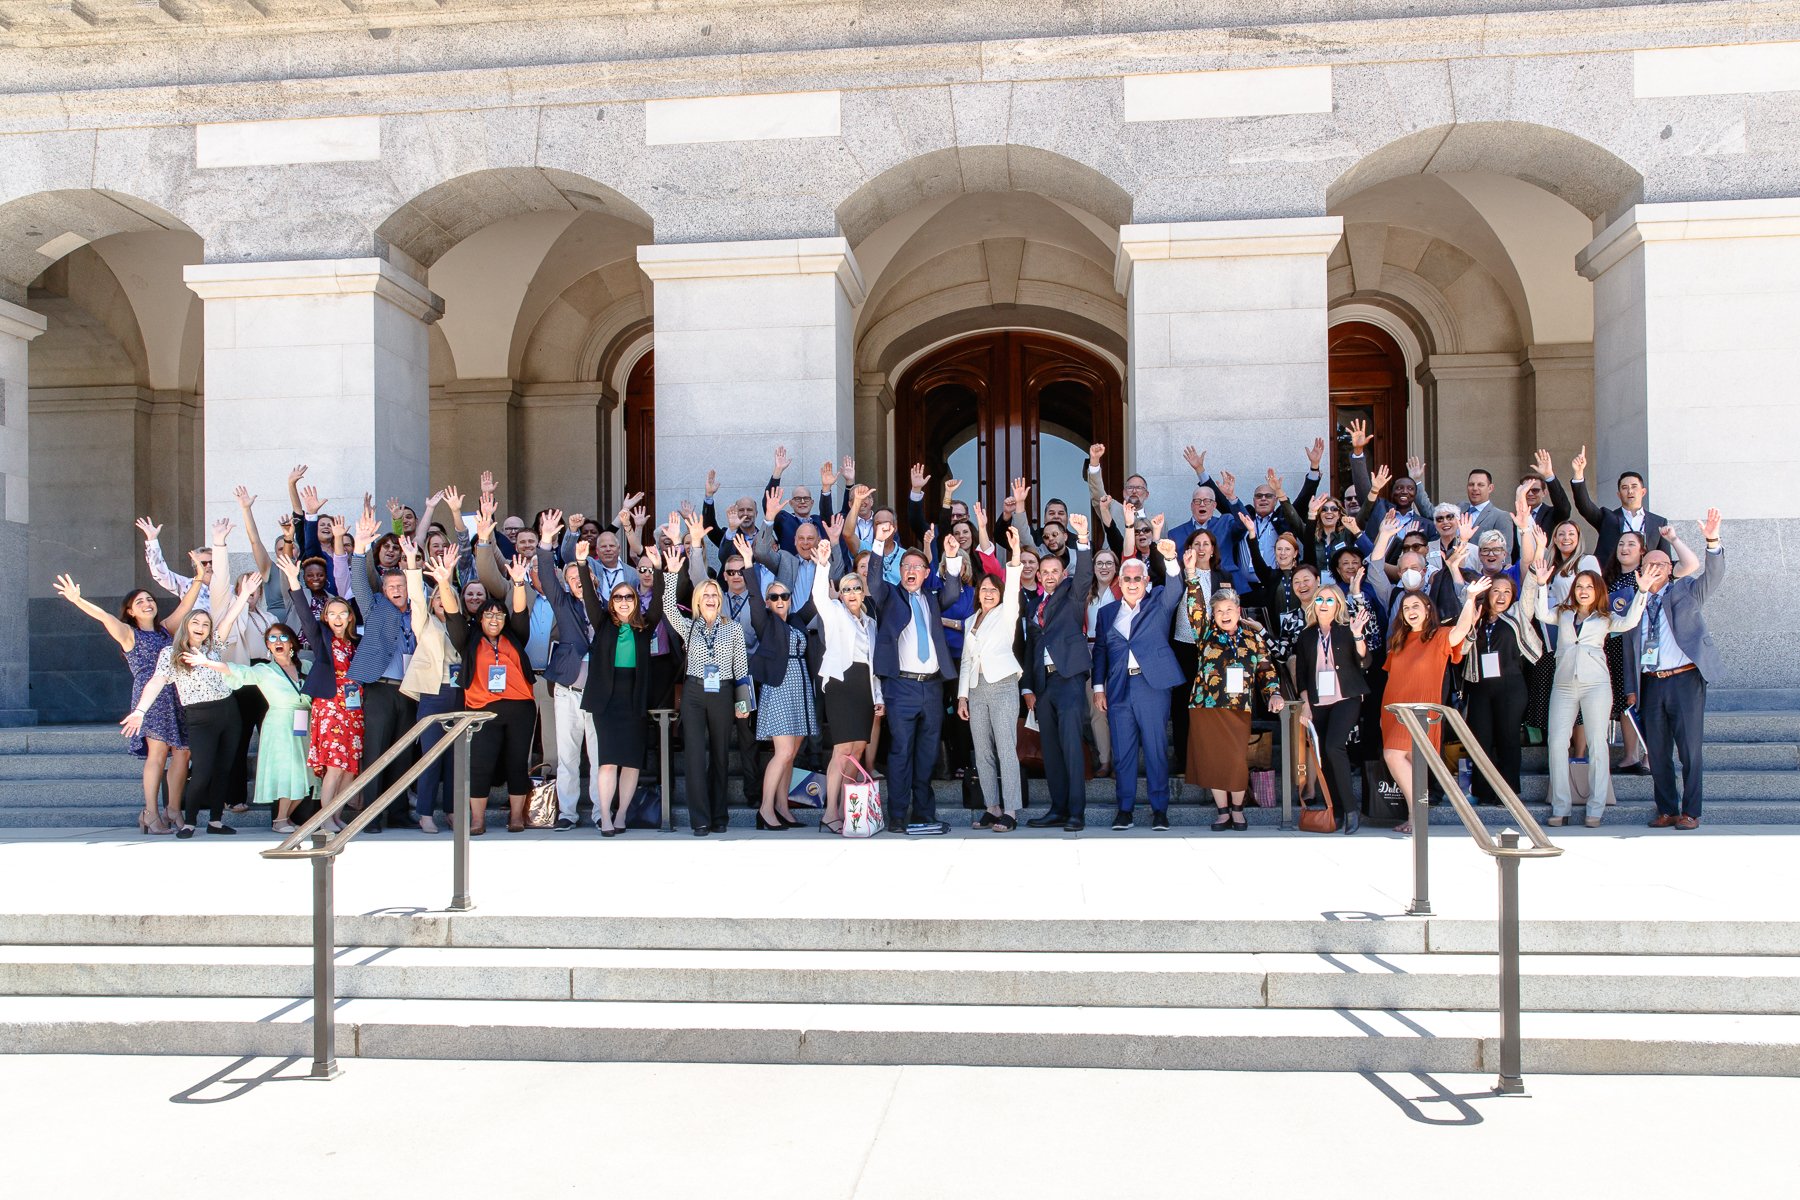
[
  {"x": 1047, "y": 820},
  {"x": 563, "y": 824},
  {"x": 1662, "y": 821},
  {"x": 1122, "y": 819},
  {"x": 1352, "y": 821},
  {"x": 1686, "y": 822},
  {"x": 216, "y": 830},
  {"x": 1074, "y": 825},
  {"x": 721, "y": 826},
  {"x": 927, "y": 828},
  {"x": 1636, "y": 768},
  {"x": 702, "y": 830},
  {"x": 1160, "y": 820}
]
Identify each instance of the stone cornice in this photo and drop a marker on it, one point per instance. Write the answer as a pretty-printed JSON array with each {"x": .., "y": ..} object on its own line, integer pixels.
[
  {"x": 1260, "y": 238},
  {"x": 734, "y": 260},
  {"x": 1688, "y": 221},
  {"x": 20, "y": 322},
  {"x": 406, "y": 89},
  {"x": 316, "y": 277}
]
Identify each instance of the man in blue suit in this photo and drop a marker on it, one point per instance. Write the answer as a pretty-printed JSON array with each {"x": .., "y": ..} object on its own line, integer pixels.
[
  {"x": 1673, "y": 656},
  {"x": 1134, "y": 668},
  {"x": 1056, "y": 679},
  {"x": 912, "y": 660}
]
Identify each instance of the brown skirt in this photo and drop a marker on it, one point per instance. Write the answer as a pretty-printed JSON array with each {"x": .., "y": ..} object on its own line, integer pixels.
[{"x": 1218, "y": 749}]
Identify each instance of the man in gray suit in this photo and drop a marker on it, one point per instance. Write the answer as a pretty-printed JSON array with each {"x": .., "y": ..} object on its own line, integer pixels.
[
  {"x": 1673, "y": 656},
  {"x": 1484, "y": 512}
]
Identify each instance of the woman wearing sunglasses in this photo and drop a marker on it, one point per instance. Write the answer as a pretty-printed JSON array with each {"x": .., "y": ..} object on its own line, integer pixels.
[
  {"x": 618, "y": 688},
  {"x": 282, "y": 777},
  {"x": 851, "y": 692},
  {"x": 785, "y": 715},
  {"x": 1330, "y": 657}
]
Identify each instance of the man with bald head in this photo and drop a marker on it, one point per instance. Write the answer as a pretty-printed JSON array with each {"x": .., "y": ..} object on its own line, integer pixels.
[{"x": 1672, "y": 656}]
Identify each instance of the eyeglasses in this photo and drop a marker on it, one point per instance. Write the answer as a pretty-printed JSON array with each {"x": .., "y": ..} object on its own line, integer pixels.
[
  {"x": 279, "y": 637},
  {"x": 1263, "y": 496},
  {"x": 774, "y": 597},
  {"x": 1330, "y": 508},
  {"x": 1324, "y": 602}
]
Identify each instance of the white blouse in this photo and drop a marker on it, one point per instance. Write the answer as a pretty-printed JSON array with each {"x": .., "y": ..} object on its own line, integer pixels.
[
  {"x": 987, "y": 652},
  {"x": 194, "y": 685},
  {"x": 848, "y": 639}
]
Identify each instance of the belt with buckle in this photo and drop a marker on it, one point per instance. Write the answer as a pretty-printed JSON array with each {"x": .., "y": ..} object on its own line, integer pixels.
[
  {"x": 917, "y": 676},
  {"x": 1134, "y": 670},
  {"x": 1676, "y": 671}
]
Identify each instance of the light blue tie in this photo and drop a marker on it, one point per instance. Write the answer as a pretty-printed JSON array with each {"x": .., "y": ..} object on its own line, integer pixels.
[
  {"x": 803, "y": 583},
  {"x": 921, "y": 625}
]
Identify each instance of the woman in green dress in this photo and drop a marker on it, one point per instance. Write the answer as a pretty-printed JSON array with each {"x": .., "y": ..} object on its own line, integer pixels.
[{"x": 282, "y": 776}]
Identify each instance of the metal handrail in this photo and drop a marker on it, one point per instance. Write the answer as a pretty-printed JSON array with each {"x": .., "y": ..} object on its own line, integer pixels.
[
  {"x": 325, "y": 848},
  {"x": 1416, "y": 719}
]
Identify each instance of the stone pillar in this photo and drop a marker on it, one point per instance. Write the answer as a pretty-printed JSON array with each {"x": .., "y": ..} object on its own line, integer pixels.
[
  {"x": 475, "y": 428},
  {"x": 1474, "y": 418},
  {"x": 1228, "y": 347},
  {"x": 874, "y": 421},
  {"x": 753, "y": 350},
  {"x": 17, "y": 327},
  {"x": 322, "y": 362},
  {"x": 562, "y": 448},
  {"x": 1562, "y": 399},
  {"x": 1696, "y": 349}
]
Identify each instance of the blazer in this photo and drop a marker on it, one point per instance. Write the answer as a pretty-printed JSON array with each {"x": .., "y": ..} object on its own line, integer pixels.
[
  {"x": 1063, "y": 634},
  {"x": 1610, "y": 522},
  {"x": 1148, "y": 640},
  {"x": 893, "y": 613},
  {"x": 1682, "y": 600},
  {"x": 321, "y": 679},
  {"x": 769, "y": 661},
  {"x": 384, "y": 626},
  {"x": 601, "y": 670},
  {"x": 987, "y": 649},
  {"x": 1350, "y": 665},
  {"x": 1548, "y": 516},
  {"x": 1496, "y": 519},
  {"x": 436, "y": 658},
  {"x": 1581, "y": 648},
  {"x": 1377, "y": 509},
  {"x": 570, "y": 641}
]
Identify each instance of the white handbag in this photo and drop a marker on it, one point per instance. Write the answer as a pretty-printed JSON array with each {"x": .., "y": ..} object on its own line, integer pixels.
[{"x": 862, "y": 802}]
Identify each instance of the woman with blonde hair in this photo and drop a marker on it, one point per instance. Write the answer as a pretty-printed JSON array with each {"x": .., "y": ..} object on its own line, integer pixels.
[
  {"x": 717, "y": 689},
  {"x": 1329, "y": 659},
  {"x": 847, "y": 682}
]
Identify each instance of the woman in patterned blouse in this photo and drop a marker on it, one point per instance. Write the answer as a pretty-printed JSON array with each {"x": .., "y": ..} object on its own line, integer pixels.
[{"x": 1233, "y": 662}]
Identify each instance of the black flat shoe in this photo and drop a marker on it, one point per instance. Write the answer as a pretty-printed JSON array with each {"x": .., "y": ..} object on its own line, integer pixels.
[
  {"x": 1047, "y": 820},
  {"x": 609, "y": 833},
  {"x": 1239, "y": 823},
  {"x": 702, "y": 831},
  {"x": 186, "y": 831},
  {"x": 1224, "y": 821},
  {"x": 1074, "y": 825},
  {"x": 220, "y": 830},
  {"x": 1352, "y": 821},
  {"x": 985, "y": 820}
]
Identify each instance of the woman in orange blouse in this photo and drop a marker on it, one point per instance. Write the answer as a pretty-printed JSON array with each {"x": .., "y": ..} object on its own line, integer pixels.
[
  {"x": 1419, "y": 654},
  {"x": 498, "y": 680}
]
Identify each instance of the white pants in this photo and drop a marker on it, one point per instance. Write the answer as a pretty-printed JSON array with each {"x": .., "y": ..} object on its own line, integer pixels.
[
  {"x": 1592, "y": 698},
  {"x": 574, "y": 726}
]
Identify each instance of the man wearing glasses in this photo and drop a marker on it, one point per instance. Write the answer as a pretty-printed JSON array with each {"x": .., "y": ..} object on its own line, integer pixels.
[{"x": 1134, "y": 668}]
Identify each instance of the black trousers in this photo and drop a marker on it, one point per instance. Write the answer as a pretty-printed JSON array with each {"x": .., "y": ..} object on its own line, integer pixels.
[
  {"x": 1188, "y": 655},
  {"x": 502, "y": 750},
  {"x": 252, "y": 708},
  {"x": 213, "y": 731},
  {"x": 1334, "y": 723},
  {"x": 749, "y": 760},
  {"x": 705, "y": 745},
  {"x": 1061, "y": 712},
  {"x": 1674, "y": 719},
  {"x": 1496, "y": 710},
  {"x": 387, "y": 714}
]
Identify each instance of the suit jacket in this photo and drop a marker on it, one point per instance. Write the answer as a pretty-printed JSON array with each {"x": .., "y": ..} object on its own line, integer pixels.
[
  {"x": 606, "y": 636},
  {"x": 385, "y": 627},
  {"x": 893, "y": 613},
  {"x": 1682, "y": 602},
  {"x": 1496, "y": 518},
  {"x": 1350, "y": 665},
  {"x": 1610, "y": 522},
  {"x": 570, "y": 641},
  {"x": 1061, "y": 633},
  {"x": 1149, "y": 641},
  {"x": 321, "y": 679},
  {"x": 1549, "y": 516},
  {"x": 436, "y": 657}
]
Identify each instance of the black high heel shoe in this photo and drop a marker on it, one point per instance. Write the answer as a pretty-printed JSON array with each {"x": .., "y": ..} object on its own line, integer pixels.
[
  {"x": 789, "y": 822},
  {"x": 762, "y": 824}
]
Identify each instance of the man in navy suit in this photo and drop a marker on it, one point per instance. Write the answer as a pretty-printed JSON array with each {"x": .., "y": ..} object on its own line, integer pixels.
[
  {"x": 912, "y": 660},
  {"x": 1056, "y": 679},
  {"x": 1134, "y": 668},
  {"x": 1632, "y": 515}
]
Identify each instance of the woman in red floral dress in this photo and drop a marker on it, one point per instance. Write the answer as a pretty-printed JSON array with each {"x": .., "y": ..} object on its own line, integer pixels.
[{"x": 335, "y": 750}]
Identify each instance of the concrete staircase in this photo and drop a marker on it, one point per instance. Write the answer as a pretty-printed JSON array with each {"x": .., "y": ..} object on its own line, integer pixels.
[
  {"x": 80, "y": 776},
  {"x": 1701, "y": 997}
]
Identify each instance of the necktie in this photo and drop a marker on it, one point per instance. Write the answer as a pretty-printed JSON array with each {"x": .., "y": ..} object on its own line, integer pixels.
[
  {"x": 1652, "y": 617},
  {"x": 921, "y": 628},
  {"x": 1042, "y": 605}
]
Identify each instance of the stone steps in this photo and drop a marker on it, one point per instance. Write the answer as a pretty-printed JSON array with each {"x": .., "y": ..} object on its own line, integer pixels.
[
  {"x": 1230, "y": 1039},
  {"x": 1434, "y": 982}
]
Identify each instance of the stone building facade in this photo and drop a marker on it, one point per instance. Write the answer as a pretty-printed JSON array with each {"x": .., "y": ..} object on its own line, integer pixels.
[{"x": 607, "y": 246}]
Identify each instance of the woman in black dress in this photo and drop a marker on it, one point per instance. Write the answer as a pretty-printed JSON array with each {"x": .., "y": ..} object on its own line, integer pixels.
[{"x": 618, "y": 690}]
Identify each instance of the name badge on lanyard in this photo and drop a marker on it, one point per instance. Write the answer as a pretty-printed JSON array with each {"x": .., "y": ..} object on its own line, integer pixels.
[
  {"x": 496, "y": 678},
  {"x": 710, "y": 681},
  {"x": 302, "y": 722},
  {"x": 1234, "y": 681},
  {"x": 1328, "y": 683},
  {"x": 1490, "y": 665},
  {"x": 352, "y": 695}
]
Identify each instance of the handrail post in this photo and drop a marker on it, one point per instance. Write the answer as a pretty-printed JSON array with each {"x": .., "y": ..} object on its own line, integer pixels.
[
  {"x": 324, "y": 1017},
  {"x": 1421, "y": 832},
  {"x": 459, "y": 854},
  {"x": 1511, "y": 1081},
  {"x": 665, "y": 784},
  {"x": 1287, "y": 764}
]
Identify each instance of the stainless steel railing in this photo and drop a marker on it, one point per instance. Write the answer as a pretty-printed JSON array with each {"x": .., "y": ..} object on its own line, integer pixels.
[
  {"x": 326, "y": 846},
  {"x": 1428, "y": 763}
]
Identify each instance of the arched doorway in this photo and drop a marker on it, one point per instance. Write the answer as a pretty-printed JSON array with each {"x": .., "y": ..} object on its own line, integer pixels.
[
  {"x": 1368, "y": 383},
  {"x": 640, "y": 428},
  {"x": 988, "y": 408}
]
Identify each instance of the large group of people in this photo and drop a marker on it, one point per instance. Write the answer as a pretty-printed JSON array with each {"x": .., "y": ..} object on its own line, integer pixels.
[{"x": 813, "y": 635}]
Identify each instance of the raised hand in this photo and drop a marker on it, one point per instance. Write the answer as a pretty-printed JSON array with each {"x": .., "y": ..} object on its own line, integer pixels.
[
  {"x": 443, "y": 568},
  {"x": 518, "y": 569},
  {"x": 919, "y": 477},
  {"x": 1195, "y": 459},
  {"x": 1709, "y": 528},
  {"x": 951, "y": 546},
  {"x": 549, "y": 526},
  {"x": 633, "y": 501},
  {"x": 1315, "y": 453},
  {"x": 221, "y": 531},
  {"x": 821, "y": 555},
  {"x": 712, "y": 483},
  {"x": 1131, "y": 514},
  {"x": 296, "y": 474},
  {"x": 827, "y": 477},
  {"x": 1274, "y": 482},
  {"x": 1096, "y": 452},
  {"x": 1350, "y": 523},
  {"x": 1012, "y": 544},
  {"x": 1390, "y": 523},
  {"x": 782, "y": 462},
  {"x": 1477, "y": 588},
  {"x": 697, "y": 531},
  {"x": 1540, "y": 462},
  {"x": 950, "y": 486},
  {"x": 409, "y": 553},
  {"x": 68, "y": 589},
  {"x": 1165, "y": 547},
  {"x": 290, "y": 570},
  {"x": 484, "y": 520},
  {"x": 672, "y": 528},
  {"x": 639, "y": 515},
  {"x": 245, "y": 500},
  {"x": 848, "y": 469},
  {"x": 884, "y": 532},
  {"x": 1651, "y": 576},
  {"x": 1227, "y": 484},
  {"x": 772, "y": 500},
  {"x": 1360, "y": 437},
  {"x": 366, "y": 529},
  {"x": 1542, "y": 570},
  {"x": 335, "y": 527},
  {"x": 487, "y": 483},
  {"x": 1190, "y": 559},
  {"x": 581, "y": 551},
  {"x": 672, "y": 559},
  {"x": 978, "y": 515},
  {"x": 1078, "y": 523},
  {"x": 1415, "y": 469},
  {"x": 250, "y": 582},
  {"x": 686, "y": 508},
  {"x": 453, "y": 497},
  {"x": 858, "y": 494},
  {"x": 1156, "y": 525},
  {"x": 742, "y": 545},
  {"x": 149, "y": 529},
  {"x": 393, "y": 507},
  {"x": 834, "y": 528},
  {"x": 1379, "y": 481},
  {"x": 1578, "y": 465},
  {"x": 1021, "y": 491},
  {"x": 309, "y": 500},
  {"x": 930, "y": 537},
  {"x": 1465, "y": 527},
  {"x": 1359, "y": 624},
  {"x": 1248, "y": 522}
]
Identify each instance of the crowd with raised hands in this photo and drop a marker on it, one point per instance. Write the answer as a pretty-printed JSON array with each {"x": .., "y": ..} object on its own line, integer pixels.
[{"x": 822, "y": 641}]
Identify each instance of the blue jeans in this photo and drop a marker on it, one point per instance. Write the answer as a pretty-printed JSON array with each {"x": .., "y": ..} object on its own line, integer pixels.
[
  {"x": 434, "y": 784},
  {"x": 915, "y": 717}
]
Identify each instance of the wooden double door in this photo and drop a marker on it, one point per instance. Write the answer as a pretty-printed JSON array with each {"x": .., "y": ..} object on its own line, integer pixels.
[
  {"x": 1009, "y": 404},
  {"x": 1368, "y": 383}
]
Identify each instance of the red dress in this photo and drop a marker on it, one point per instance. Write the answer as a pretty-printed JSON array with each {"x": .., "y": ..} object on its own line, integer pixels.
[
  {"x": 1416, "y": 676},
  {"x": 337, "y": 732}
]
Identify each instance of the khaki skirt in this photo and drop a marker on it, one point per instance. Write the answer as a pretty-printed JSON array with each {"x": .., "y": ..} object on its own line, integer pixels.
[{"x": 1218, "y": 749}]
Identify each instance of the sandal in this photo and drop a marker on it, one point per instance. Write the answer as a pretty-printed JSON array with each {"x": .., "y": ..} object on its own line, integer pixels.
[
  {"x": 1404, "y": 828},
  {"x": 1005, "y": 823},
  {"x": 831, "y": 827}
]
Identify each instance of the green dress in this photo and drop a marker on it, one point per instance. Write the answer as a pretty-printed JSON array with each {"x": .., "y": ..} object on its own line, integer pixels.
[{"x": 281, "y": 770}]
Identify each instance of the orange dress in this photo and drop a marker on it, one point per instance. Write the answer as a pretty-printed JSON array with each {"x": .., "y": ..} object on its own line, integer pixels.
[{"x": 1416, "y": 676}]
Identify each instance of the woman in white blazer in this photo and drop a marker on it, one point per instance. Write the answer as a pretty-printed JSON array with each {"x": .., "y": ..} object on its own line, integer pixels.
[
  {"x": 987, "y": 692},
  {"x": 847, "y": 681},
  {"x": 1582, "y": 682}
]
